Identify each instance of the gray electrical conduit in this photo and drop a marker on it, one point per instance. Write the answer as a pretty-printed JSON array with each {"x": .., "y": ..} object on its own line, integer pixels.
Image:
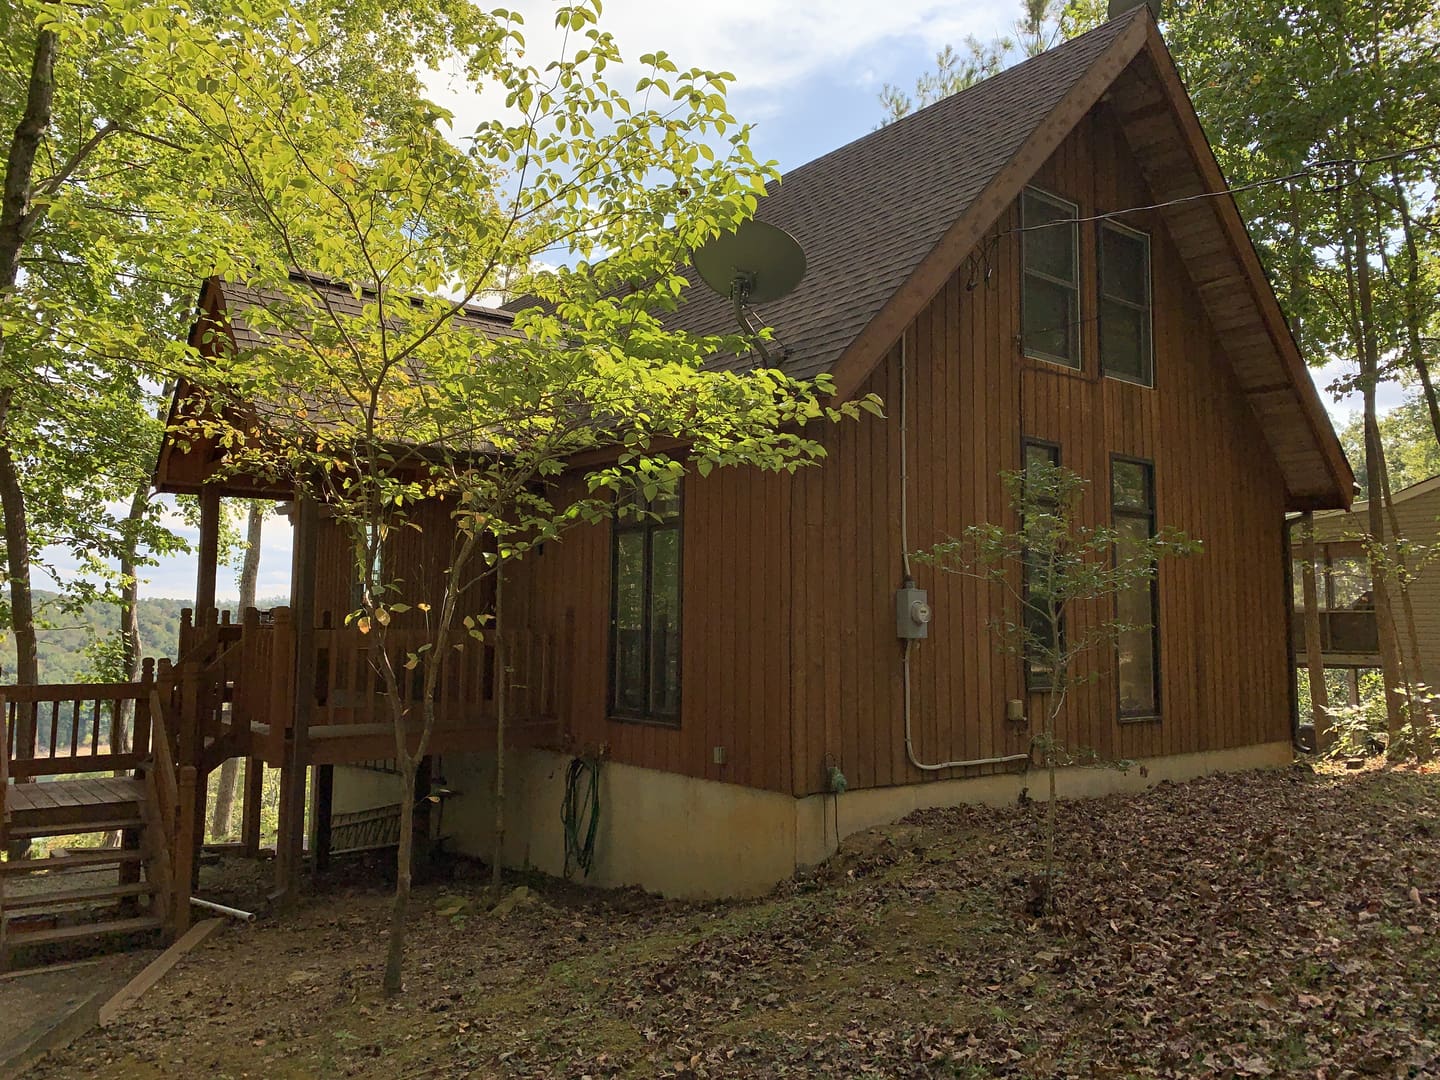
[{"x": 909, "y": 581}]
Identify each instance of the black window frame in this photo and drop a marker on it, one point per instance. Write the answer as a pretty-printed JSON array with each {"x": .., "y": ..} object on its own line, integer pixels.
[
  {"x": 1036, "y": 682},
  {"x": 1076, "y": 285},
  {"x": 1150, "y": 516},
  {"x": 643, "y": 520},
  {"x": 1147, "y": 308}
]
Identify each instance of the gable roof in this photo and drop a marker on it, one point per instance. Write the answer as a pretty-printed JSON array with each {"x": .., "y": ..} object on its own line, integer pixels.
[{"x": 886, "y": 219}]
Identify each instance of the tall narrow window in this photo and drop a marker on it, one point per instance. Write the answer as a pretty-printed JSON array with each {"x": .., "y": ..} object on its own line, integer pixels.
[
  {"x": 1050, "y": 299},
  {"x": 1132, "y": 505},
  {"x": 645, "y": 612},
  {"x": 1041, "y": 634},
  {"x": 1125, "y": 349}
]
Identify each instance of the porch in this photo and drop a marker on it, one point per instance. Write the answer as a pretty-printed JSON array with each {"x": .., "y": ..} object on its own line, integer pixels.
[
  {"x": 125, "y": 765},
  {"x": 245, "y": 675}
]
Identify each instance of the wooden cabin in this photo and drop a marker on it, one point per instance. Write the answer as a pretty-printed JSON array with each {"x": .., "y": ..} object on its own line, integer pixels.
[
  {"x": 1349, "y": 634},
  {"x": 1045, "y": 265}
]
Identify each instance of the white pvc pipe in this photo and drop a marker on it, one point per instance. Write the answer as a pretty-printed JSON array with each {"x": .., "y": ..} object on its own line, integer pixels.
[
  {"x": 905, "y": 563},
  {"x": 222, "y": 909}
]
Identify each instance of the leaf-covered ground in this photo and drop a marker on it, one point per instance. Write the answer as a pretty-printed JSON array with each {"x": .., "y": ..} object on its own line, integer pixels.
[{"x": 1280, "y": 924}]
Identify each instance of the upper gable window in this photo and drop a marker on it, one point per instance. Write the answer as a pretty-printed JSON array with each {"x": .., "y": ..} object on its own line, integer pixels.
[
  {"x": 1125, "y": 349},
  {"x": 1050, "y": 319}
]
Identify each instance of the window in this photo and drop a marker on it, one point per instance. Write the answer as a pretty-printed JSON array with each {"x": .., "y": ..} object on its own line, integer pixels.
[
  {"x": 645, "y": 612},
  {"x": 1040, "y": 634},
  {"x": 1132, "y": 505},
  {"x": 1050, "y": 316},
  {"x": 1125, "y": 350},
  {"x": 373, "y": 549}
]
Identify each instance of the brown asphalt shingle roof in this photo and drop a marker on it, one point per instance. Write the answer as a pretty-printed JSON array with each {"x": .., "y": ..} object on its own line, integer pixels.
[
  {"x": 240, "y": 297},
  {"x": 868, "y": 213}
]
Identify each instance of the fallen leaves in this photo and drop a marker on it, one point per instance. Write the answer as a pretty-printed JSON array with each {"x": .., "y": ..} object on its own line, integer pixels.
[{"x": 1240, "y": 926}]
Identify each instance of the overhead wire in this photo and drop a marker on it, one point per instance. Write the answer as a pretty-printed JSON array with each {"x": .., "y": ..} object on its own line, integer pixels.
[{"x": 1304, "y": 171}]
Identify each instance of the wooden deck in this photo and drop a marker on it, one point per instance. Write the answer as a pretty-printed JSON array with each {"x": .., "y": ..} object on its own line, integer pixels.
[{"x": 58, "y": 807}]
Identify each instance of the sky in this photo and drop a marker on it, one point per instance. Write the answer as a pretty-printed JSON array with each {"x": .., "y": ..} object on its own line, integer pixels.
[{"x": 808, "y": 77}]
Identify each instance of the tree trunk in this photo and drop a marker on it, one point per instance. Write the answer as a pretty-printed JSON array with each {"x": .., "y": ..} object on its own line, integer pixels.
[
  {"x": 18, "y": 217},
  {"x": 1417, "y": 685},
  {"x": 394, "y": 981},
  {"x": 1357, "y": 256},
  {"x": 1314, "y": 654},
  {"x": 1414, "y": 322},
  {"x": 501, "y": 693},
  {"x": 249, "y": 575}
]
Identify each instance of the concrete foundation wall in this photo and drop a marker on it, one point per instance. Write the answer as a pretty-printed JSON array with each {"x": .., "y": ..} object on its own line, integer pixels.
[
  {"x": 364, "y": 789},
  {"x": 696, "y": 839}
]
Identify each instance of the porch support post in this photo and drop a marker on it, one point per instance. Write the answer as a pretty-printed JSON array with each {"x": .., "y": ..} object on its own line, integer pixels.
[
  {"x": 1314, "y": 655},
  {"x": 289, "y": 845},
  {"x": 254, "y": 794},
  {"x": 209, "y": 552},
  {"x": 321, "y": 814}
]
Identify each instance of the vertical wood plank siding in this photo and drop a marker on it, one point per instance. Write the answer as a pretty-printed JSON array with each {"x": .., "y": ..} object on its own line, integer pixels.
[
  {"x": 972, "y": 397},
  {"x": 735, "y": 645}
]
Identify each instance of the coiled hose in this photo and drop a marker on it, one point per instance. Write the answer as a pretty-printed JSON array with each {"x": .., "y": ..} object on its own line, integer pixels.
[{"x": 581, "y": 813}]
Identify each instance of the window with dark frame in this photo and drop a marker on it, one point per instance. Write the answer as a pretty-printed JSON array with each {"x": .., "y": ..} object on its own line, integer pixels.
[
  {"x": 1050, "y": 297},
  {"x": 1126, "y": 351},
  {"x": 645, "y": 611},
  {"x": 1038, "y": 628},
  {"x": 376, "y": 549},
  {"x": 1132, "y": 508}
]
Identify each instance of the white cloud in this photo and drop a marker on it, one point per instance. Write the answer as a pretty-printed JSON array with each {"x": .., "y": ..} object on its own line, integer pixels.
[{"x": 770, "y": 46}]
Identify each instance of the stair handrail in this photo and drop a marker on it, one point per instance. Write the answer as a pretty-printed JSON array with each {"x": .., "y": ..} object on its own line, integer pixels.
[
  {"x": 174, "y": 798},
  {"x": 164, "y": 759}
]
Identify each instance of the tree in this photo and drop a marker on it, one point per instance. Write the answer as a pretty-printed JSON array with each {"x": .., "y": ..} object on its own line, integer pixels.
[
  {"x": 1325, "y": 118},
  {"x": 1042, "y": 24},
  {"x": 112, "y": 211},
  {"x": 1048, "y": 568},
  {"x": 408, "y": 401}
]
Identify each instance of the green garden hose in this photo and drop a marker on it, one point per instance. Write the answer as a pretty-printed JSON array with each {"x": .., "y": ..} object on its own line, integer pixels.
[{"x": 581, "y": 813}]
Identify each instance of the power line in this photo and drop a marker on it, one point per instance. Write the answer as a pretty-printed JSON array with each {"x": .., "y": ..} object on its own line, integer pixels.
[{"x": 1304, "y": 171}]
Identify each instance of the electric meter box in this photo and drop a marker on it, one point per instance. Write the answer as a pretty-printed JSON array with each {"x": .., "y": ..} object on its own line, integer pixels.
[{"x": 912, "y": 613}]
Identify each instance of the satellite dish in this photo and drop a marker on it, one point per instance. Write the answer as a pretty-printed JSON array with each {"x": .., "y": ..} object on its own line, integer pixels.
[{"x": 758, "y": 263}]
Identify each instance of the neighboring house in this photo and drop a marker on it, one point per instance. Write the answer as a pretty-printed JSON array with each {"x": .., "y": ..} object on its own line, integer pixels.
[
  {"x": 1349, "y": 638},
  {"x": 961, "y": 266}
]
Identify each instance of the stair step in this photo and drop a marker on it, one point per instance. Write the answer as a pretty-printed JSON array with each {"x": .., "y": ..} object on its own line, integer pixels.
[
  {"x": 69, "y": 897},
  {"x": 33, "y": 830},
  {"x": 17, "y": 939},
  {"x": 86, "y": 860}
]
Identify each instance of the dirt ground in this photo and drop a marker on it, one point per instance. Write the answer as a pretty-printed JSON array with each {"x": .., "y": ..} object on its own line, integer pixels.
[{"x": 1281, "y": 924}]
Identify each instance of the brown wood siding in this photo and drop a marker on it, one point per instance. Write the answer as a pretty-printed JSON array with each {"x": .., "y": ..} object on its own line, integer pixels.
[
  {"x": 415, "y": 559},
  {"x": 735, "y": 656},
  {"x": 972, "y": 397}
]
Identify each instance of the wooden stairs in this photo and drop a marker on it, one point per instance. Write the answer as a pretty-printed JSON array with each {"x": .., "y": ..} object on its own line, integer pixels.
[
  {"x": 95, "y": 893},
  {"x": 95, "y": 781}
]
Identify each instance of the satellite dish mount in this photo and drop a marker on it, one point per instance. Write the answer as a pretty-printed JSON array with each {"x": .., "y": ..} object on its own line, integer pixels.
[{"x": 756, "y": 264}]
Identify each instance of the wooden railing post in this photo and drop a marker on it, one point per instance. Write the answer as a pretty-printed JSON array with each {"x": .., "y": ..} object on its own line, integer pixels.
[
  {"x": 281, "y": 711},
  {"x": 140, "y": 737},
  {"x": 185, "y": 845},
  {"x": 189, "y": 733}
]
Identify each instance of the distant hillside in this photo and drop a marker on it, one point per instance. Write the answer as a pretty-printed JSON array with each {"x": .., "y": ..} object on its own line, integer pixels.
[{"x": 68, "y": 646}]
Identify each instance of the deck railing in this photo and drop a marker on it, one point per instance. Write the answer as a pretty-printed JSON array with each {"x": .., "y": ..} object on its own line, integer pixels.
[
  {"x": 68, "y": 728},
  {"x": 247, "y": 692},
  {"x": 350, "y": 686},
  {"x": 1342, "y": 632}
]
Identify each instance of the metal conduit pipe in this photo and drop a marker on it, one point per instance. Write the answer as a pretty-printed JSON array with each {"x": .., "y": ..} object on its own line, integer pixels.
[{"x": 909, "y": 581}]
